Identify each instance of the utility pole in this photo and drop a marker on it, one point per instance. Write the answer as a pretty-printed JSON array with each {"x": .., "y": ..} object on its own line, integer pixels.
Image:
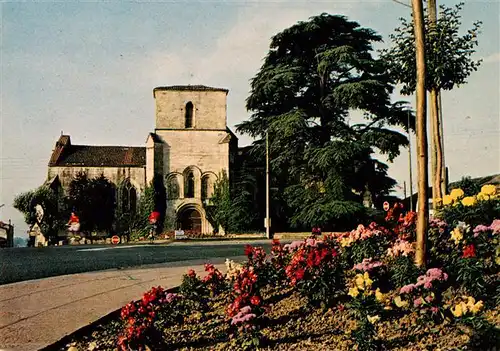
[
  {"x": 268, "y": 220},
  {"x": 409, "y": 163},
  {"x": 422, "y": 158}
]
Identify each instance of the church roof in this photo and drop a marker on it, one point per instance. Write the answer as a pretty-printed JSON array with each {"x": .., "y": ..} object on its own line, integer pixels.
[
  {"x": 190, "y": 88},
  {"x": 97, "y": 156}
]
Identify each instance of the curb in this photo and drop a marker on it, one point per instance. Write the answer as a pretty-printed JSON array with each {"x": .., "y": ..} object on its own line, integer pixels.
[{"x": 85, "y": 330}]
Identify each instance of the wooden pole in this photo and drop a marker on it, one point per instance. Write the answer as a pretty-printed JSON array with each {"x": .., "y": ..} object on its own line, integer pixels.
[{"x": 422, "y": 158}]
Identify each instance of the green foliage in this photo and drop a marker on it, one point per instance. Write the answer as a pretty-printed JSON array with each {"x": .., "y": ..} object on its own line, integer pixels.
[
  {"x": 231, "y": 205},
  {"x": 480, "y": 213},
  {"x": 448, "y": 54},
  {"x": 93, "y": 200},
  {"x": 469, "y": 186},
  {"x": 51, "y": 203},
  {"x": 314, "y": 74},
  {"x": 402, "y": 271},
  {"x": 193, "y": 289}
]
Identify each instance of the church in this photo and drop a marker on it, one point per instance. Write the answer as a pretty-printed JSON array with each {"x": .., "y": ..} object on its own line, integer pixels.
[{"x": 189, "y": 148}]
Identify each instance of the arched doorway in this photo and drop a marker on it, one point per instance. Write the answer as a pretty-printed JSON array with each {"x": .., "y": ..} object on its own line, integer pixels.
[{"x": 190, "y": 219}]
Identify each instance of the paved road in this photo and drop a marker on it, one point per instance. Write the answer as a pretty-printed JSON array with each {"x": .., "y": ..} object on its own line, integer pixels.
[
  {"x": 37, "y": 313},
  {"x": 19, "y": 264}
]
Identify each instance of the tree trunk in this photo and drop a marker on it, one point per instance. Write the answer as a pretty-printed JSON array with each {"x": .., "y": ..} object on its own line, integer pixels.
[
  {"x": 436, "y": 145},
  {"x": 437, "y": 194},
  {"x": 422, "y": 159},
  {"x": 444, "y": 174}
]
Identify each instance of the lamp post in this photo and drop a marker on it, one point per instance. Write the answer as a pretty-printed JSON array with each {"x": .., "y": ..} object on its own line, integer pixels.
[{"x": 268, "y": 219}]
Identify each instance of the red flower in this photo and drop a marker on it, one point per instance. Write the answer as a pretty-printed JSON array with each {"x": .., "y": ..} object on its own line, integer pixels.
[
  {"x": 255, "y": 300},
  {"x": 248, "y": 250},
  {"x": 299, "y": 273},
  {"x": 191, "y": 273},
  {"x": 469, "y": 251}
]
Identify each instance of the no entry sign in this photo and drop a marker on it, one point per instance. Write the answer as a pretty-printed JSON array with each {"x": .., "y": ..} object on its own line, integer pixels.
[
  {"x": 386, "y": 206},
  {"x": 115, "y": 239}
]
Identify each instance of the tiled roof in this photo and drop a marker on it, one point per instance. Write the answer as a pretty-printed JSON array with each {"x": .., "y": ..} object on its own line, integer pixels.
[
  {"x": 101, "y": 156},
  {"x": 190, "y": 88}
]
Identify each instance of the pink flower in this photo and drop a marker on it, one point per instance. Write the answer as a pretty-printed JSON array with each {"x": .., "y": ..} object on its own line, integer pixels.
[
  {"x": 429, "y": 299},
  {"x": 495, "y": 226},
  {"x": 417, "y": 302},
  {"x": 480, "y": 229},
  {"x": 434, "y": 309},
  {"x": 428, "y": 285},
  {"x": 407, "y": 289},
  {"x": 367, "y": 265}
]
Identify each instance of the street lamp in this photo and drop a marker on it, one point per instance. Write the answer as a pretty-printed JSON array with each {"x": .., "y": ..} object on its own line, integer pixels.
[{"x": 268, "y": 219}]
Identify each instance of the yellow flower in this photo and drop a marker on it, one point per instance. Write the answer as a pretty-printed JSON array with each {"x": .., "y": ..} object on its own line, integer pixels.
[
  {"x": 360, "y": 281},
  {"x": 470, "y": 301},
  {"x": 400, "y": 302},
  {"x": 346, "y": 242},
  {"x": 488, "y": 189},
  {"x": 373, "y": 319},
  {"x": 368, "y": 281},
  {"x": 379, "y": 296},
  {"x": 483, "y": 197},
  {"x": 469, "y": 201},
  {"x": 457, "y": 194},
  {"x": 477, "y": 307},
  {"x": 456, "y": 235},
  {"x": 353, "y": 292},
  {"x": 457, "y": 311},
  {"x": 447, "y": 200}
]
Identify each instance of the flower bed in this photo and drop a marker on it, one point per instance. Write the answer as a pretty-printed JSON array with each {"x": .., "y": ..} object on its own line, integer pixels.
[{"x": 356, "y": 290}]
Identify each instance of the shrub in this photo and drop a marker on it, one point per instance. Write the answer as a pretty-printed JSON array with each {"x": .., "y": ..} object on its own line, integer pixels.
[
  {"x": 214, "y": 280},
  {"x": 245, "y": 308},
  {"x": 477, "y": 209},
  {"x": 143, "y": 320},
  {"x": 194, "y": 290},
  {"x": 315, "y": 270},
  {"x": 425, "y": 296}
]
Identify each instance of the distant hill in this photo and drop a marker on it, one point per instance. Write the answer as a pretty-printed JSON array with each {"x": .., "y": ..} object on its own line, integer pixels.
[{"x": 492, "y": 179}]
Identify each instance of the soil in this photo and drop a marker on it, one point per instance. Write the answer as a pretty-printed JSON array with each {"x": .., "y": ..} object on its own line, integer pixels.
[{"x": 290, "y": 324}]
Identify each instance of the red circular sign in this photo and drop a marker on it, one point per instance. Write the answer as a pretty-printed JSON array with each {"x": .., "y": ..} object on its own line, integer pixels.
[
  {"x": 386, "y": 206},
  {"x": 115, "y": 239}
]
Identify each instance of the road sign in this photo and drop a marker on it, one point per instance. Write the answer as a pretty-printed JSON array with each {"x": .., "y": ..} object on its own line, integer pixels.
[
  {"x": 115, "y": 239},
  {"x": 386, "y": 206}
]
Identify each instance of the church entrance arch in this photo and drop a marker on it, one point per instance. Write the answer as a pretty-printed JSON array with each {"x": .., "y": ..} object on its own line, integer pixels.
[{"x": 189, "y": 219}]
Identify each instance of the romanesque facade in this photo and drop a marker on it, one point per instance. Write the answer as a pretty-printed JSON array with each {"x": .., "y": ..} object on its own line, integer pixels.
[{"x": 189, "y": 148}]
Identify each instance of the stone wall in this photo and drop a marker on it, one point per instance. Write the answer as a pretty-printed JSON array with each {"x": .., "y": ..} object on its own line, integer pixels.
[{"x": 209, "y": 110}]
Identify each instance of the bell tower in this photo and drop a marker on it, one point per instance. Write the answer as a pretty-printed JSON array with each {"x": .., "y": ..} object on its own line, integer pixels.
[{"x": 195, "y": 107}]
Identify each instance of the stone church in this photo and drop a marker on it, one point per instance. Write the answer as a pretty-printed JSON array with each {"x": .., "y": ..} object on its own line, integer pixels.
[{"x": 189, "y": 148}]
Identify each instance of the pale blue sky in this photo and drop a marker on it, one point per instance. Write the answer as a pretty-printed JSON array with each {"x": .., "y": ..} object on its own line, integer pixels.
[{"x": 89, "y": 69}]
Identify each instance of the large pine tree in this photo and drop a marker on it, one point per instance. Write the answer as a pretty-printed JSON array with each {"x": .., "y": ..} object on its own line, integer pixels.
[{"x": 315, "y": 74}]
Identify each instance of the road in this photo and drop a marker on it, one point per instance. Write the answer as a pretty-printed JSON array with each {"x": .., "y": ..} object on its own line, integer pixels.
[{"x": 19, "y": 264}]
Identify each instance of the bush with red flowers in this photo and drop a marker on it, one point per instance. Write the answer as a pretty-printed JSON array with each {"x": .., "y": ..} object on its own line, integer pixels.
[
  {"x": 214, "y": 280},
  {"x": 245, "y": 308},
  {"x": 315, "y": 270},
  {"x": 195, "y": 291},
  {"x": 143, "y": 319},
  {"x": 279, "y": 261}
]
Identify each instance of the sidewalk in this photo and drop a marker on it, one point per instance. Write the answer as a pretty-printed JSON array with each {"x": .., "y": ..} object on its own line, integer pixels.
[{"x": 37, "y": 313}]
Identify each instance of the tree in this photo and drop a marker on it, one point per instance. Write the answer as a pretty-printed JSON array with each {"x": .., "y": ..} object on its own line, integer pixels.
[
  {"x": 232, "y": 204},
  {"x": 94, "y": 201},
  {"x": 448, "y": 62},
  {"x": 315, "y": 73},
  {"x": 52, "y": 220}
]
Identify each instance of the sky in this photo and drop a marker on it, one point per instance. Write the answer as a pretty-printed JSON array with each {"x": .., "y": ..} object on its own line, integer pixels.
[{"x": 88, "y": 69}]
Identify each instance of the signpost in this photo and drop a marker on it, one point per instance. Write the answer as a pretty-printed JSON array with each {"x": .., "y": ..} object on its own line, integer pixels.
[
  {"x": 115, "y": 239},
  {"x": 386, "y": 206}
]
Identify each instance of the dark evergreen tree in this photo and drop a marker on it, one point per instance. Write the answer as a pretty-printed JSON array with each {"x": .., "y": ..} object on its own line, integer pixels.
[{"x": 314, "y": 75}]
